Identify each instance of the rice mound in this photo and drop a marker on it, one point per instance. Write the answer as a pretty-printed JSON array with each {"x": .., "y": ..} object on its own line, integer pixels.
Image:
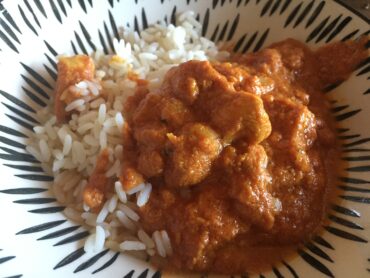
[{"x": 69, "y": 151}]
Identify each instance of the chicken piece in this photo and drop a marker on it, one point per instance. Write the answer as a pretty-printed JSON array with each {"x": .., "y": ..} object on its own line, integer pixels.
[
  {"x": 191, "y": 154},
  {"x": 152, "y": 135},
  {"x": 267, "y": 62},
  {"x": 213, "y": 224},
  {"x": 175, "y": 113},
  {"x": 151, "y": 139},
  {"x": 189, "y": 79},
  {"x": 243, "y": 80},
  {"x": 208, "y": 213},
  {"x": 300, "y": 62},
  {"x": 240, "y": 115},
  {"x": 325, "y": 133},
  {"x": 293, "y": 53},
  {"x": 132, "y": 102},
  {"x": 248, "y": 181},
  {"x": 150, "y": 163},
  {"x": 149, "y": 109},
  {"x": 71, "y": 70},
  {"x": 296, "y": 126},
  {"x": 304, "y": 130},
  {"x": 157, "y": 211},
  {"x": 96, "y": 188},
  {"x": 282, "y": 65},
  {"x": 235, "y": 114}
]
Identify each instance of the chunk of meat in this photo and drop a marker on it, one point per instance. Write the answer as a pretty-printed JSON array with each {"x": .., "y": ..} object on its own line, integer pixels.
[
  {"x": 151, "y": 138},
  {"x": 132, "y": 102},
  {"x": 293, "y": 53},
  {"x": 213, "y": 224},
  {"x": 160, "y": 203},
  {"x": 150, "y": 163},
  {"x": 267, "y": 61},
  {"x": 295, "y": 222},
  {"x": 189, "y": 79},
  {"x": 243, "y": 80},
  {"x": 175, "y": 113},
  {"x": 96, "y": 188},
  {"x": 239, "y": 116},
  {"x": 248, "y": 181},
  {"x": 300, "y": 63},
  {"x": 209, "y": 215},
  {"x": 71, "y": 70},
  {"x": 152, "y": 135},
  {"x": 295, "y": 125},
  {"x": 278, "y": 66},
  {"x": 148, "y": 110},
  {"x": 191, "y": 154},
  {"x": 325, "y": 133}
]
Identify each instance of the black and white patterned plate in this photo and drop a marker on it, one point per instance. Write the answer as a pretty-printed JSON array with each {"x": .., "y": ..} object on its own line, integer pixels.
[{"x": 35, "y": 238}]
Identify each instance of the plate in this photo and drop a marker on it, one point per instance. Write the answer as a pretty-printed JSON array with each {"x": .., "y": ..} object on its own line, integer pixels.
[{"x": 36, "y": 238}]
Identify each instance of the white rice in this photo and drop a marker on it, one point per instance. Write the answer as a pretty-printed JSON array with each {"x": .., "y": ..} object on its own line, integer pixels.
[
  {"x": 90, "y": 218},
  {"x": 144, "y": 195},
  {"x": 67, "y": 144},
  {"x": 120, "y": 193},
  {"x": 103, "y": 139},
  {"x": 39, "y": 129},
  {"x": 69, "y": 151},
  {"x": 99, "y": 239},
  {"x": 166, "y": 242},
  {"x": 119, "y": 120},
  {"x": 145, "y": 238},
  {"x": 81, "y": 85},
  {"x": 102, "y": 113},
  {"x": 112, "y": 204},
  {"x": 73, "y": 214},
  {"x": 159, "y": 243},
  {"x": 127, "y": 222},
  {"x": 114, "y": 169},
  {"x": 132, "y": 245},
  {"x": 103, "y": 213},
  {"x": 89, "y": 246},
  {"x": 74, "y": 104},
  {"x": 35, "y": 152},
  {"x": 45, "y": 151},
  {"x": 72, "y": 182},
  {"x": 129, "y": 212}
]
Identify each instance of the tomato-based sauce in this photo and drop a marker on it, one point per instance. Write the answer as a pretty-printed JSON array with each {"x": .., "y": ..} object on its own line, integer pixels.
[{"x": 242, "y": 155}]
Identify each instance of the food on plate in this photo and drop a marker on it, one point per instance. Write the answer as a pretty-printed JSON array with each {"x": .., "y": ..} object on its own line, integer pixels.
[
  {"x": 204, "y": 160},
  {"x": 71, "y": 70}
]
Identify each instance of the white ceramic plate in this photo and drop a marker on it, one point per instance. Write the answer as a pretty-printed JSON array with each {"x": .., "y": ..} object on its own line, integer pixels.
[{"x": 36, "y": 239}]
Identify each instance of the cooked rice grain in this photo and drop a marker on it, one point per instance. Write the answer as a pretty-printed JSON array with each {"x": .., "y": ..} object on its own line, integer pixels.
[
  {"x": 132, "y": 245},
  {"x": 126, "y": 222},
  {"x": 144, "y": 195},
  {"x": 74, "y": 104},
  {"x": 120, "y": 193},
  {"x": 159, "y": 244},
  {"x": 103, "y": 213},
  {"x": 145, "y": 238},
  {"x": 99, "y": 239}
]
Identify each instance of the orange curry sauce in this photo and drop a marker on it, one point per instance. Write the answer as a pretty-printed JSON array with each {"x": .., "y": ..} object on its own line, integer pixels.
[{"x": 241, "y": 155}]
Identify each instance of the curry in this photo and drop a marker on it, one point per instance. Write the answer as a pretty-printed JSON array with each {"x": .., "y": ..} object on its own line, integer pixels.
[{"x": 242, "y": 155}]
